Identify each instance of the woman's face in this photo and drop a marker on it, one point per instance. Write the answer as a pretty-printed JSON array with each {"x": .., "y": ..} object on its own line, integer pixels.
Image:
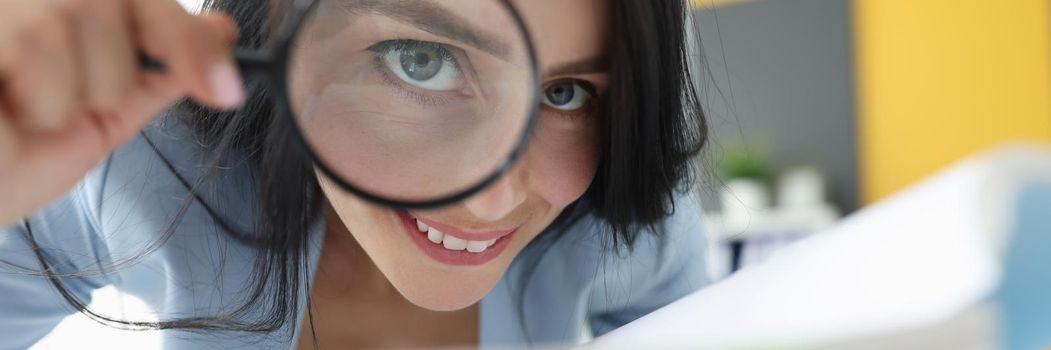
[{"x": 480, "y": 236}]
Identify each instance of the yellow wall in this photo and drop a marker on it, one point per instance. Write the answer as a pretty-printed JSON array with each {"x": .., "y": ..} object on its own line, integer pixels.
[{"x": 938, "y": 79}]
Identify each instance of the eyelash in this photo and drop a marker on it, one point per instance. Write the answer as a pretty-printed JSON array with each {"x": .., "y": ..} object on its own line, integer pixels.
[
  {"x": 405, "y": 44},
  {"x": 384, "y": 47},
  {"x": 404, "y": 91},
  {"x": 583, "y": 112}
]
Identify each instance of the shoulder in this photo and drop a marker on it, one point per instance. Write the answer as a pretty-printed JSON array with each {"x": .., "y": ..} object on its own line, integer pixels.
[
  {"x": 667, "y": 260},
  {"x": 165, "y": 174},
  {"x": 119, "y": 210},
  {"x": 130, "y": 201},
  {"x": 677, "y": 239},
  {"x": 672, "y": 249},
  {"x": 575, "y": 272}
]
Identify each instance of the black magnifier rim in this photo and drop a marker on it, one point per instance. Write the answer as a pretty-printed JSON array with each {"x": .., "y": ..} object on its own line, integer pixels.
[{"x": 277, "y": 71}]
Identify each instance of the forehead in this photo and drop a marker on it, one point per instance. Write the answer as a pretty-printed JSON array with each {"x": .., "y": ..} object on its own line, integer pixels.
[{"x": 565, "y": 30}]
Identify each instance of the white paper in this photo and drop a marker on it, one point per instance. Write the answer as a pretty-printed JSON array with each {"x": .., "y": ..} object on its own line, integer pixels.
[{"x": 918, "y": 258}]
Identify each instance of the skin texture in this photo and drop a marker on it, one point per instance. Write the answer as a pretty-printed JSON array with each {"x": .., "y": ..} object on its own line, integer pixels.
[
  {"x": 366, "y": 252},
  {"x": 70, "y": 91},
  {"x": 80, "y": 53}
]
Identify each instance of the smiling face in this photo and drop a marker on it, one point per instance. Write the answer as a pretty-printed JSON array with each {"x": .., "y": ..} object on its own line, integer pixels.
[{"x": 449, "y": 258}]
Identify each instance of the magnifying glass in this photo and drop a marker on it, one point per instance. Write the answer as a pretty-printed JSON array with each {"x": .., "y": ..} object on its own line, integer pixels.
[{"x": 410, "y": 104}]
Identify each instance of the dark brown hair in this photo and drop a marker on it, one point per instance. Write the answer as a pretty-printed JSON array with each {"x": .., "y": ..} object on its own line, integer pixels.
[{"x": 652, "y": 126}]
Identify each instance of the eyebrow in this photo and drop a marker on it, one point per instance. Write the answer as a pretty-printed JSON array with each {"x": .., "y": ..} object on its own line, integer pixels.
[
  {"x": 435, "y": 19},
  {"x": 589, "y": 65}
]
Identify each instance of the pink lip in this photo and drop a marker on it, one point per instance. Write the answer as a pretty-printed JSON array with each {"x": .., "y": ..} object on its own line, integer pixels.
[{"x": 455, "y": 257}]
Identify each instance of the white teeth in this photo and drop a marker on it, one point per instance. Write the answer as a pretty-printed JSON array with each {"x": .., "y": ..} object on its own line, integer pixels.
[
  {"x": 476, "y": 246},
  {"x": 434, "y": 235},
  {"x": 453, "y": 243}
]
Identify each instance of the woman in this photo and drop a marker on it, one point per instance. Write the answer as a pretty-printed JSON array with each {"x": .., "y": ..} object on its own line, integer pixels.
[{"x": 220, "y": 222}]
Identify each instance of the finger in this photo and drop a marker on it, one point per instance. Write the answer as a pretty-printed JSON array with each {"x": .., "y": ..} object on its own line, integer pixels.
[
  {"x": 194, "y": 49},
  {"x": 223, "y": 26},
  {"x": 7, "y": 144},
  {"x": 152, "y": 94},
  {"x": 108, "y": 60},
  {"x": 41, "y": 87},
  {"x": 226, "y": 87}
]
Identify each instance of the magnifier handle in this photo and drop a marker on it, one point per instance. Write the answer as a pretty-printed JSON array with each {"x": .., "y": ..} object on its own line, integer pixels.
[
  {"x": 251, "y": 63},
  {"x": 150, "y": 64}
]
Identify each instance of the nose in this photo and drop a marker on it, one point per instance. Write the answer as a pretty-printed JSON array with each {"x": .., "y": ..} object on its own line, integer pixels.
[{"x": 500, "y": 198}]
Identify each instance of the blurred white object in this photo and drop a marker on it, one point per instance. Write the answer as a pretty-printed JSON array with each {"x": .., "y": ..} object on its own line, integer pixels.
[
  {"x": 747, "y": 213},
  {"x": 801, "y": 187},
  {"x": 741, "y": 199},
  {"x": 80, "y": 332},
  {"x": 192, "y": 5},
  {"x": 926, "y": 256},
  {"x": 803, "y": 201},
  {"x": 747, "y": 229}
]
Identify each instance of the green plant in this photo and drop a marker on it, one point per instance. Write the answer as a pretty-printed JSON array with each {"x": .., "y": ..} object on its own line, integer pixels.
[{"x": 742, "y": 163}]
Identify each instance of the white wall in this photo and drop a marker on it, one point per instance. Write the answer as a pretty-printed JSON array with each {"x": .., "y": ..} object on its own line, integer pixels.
[{"x": 79, "y": 332}]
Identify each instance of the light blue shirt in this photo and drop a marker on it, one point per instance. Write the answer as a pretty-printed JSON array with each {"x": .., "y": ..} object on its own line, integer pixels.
[{"x": 120, "y": 210}]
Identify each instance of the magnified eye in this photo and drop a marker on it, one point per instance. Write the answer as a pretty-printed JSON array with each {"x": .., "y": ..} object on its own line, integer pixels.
[
  {"x": 425, "y": 65},
  {"x": 567, "y": 95}
]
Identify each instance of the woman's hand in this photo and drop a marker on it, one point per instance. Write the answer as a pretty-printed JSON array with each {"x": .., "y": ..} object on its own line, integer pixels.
[{"x": 71, "y": 89}]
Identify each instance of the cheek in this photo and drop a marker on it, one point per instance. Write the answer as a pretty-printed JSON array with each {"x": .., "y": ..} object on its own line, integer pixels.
[
  {"x": 563, "y": 162},
  {"x": 366, "y": 223}
]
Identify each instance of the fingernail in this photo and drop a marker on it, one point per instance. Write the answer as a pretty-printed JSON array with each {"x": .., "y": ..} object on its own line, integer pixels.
[{"x": 226, "y": 85}]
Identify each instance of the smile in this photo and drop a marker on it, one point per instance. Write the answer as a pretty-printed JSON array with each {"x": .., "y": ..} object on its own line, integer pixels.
[{"x": 451, "y": 245}]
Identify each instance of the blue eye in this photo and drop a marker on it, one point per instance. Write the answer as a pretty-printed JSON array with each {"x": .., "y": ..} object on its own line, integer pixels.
[
  {"x": 425, "y": 65},
  {"x": 567, "y": 95}
]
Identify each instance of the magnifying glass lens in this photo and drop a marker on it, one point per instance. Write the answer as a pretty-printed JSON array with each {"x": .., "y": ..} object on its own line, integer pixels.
[{"x": 411, "y": 100}]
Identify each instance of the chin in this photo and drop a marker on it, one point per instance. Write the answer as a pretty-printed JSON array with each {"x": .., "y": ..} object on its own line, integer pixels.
[
  {"x": 445, "y": 291},
  {"x": 435, "y": 278}
]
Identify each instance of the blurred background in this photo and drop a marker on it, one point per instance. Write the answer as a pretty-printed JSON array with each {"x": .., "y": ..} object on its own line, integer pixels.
[{"x": 818, "y": 108}]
